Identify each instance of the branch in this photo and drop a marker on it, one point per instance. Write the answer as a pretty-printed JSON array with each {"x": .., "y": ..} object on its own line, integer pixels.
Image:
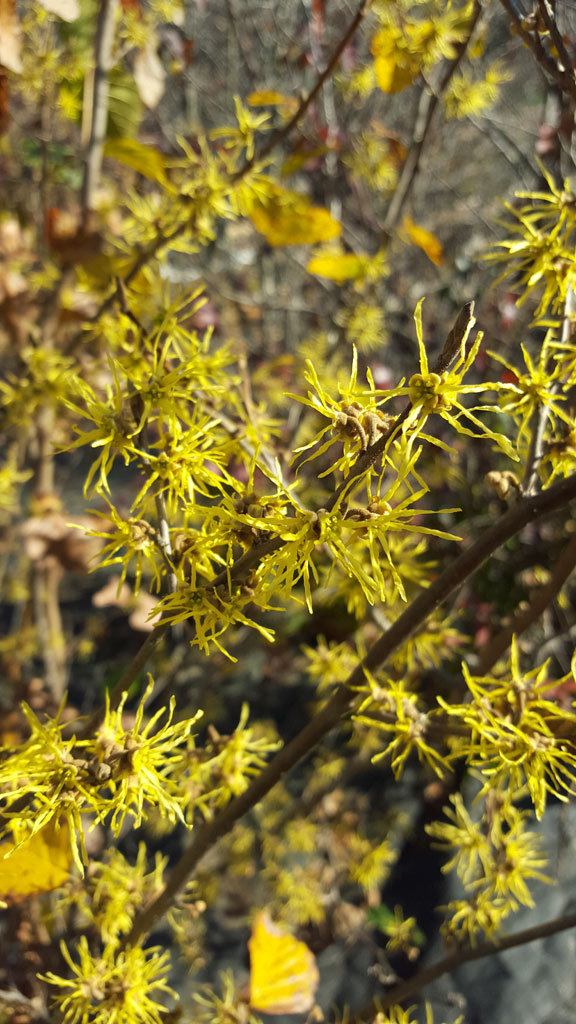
[
  {"x": 563, "y": 77},
  {"x": 528, "y": 510},
  {"x": 549, "y": 19},
  {"x": 407, "y": 989},
  {"x": 129, "y": 675},
  {"x": 103, "y": 62},
  {"x": 496, "y": 647},
  {"x": 254, "y": 555}
]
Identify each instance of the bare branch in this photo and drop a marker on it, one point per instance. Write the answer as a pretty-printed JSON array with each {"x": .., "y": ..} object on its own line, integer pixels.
[
  {"x": 544, "y": 596},
  {"x": 407, "y": 989},
  {"x": 103, "y": 62},
  {"x": 562, "y": 76}
]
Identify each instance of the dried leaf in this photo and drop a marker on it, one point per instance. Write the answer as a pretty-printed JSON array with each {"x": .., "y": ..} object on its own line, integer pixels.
[
  {"x": 55, "y": 538},
  {"x": 149, "y": 75},
  {"x": 139, "y": 617},
  {"x": 68, "y": 10},
  {"x": 9, "y": 36},
  {"x": 111, "y": 597}
]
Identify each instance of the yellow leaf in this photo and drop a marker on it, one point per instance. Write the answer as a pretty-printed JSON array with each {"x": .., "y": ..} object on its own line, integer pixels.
[
  {"x": 288, "y": 218},
  {"x": 266, "y": 98},
  {"x": 424, "y": 240},
  {"x": 144, "y": 159},
  {"x": 346, "y": 266},
  {"x": 38, "y": 865},
  {"x": 283, "y": 972},
  {"x": 395, "y": 66}
]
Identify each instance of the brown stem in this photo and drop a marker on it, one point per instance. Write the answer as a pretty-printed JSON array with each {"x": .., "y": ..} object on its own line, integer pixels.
[
  {"x": 549, "y": 19},
  {"x": 516, "y": 518},
  {"x": 407, "y": 989},
  {"x": 427, "y": 106},
  {"x": 497, "y": 646},
  {"x": 129, "y": 675},
  {"x": 103, "y": 46}
]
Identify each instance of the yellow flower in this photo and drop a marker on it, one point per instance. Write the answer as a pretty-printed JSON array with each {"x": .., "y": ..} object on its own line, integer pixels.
[{"x": 118, "y": 987}]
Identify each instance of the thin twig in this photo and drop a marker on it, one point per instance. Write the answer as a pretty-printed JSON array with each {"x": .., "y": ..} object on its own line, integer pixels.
[
  {"x": 427, "y": 106},
  {"x": 497, "y": 646},
  {"x": 526, "y": 511},
  {"x": 563, "y": 77},
  {"x": 407, "y": 989},
  {"x": 129, "y": 675},
  {"x": 103, "y": 47},
  {"x": 555, "y": 35},
  {"x": 286, "y": 129}
]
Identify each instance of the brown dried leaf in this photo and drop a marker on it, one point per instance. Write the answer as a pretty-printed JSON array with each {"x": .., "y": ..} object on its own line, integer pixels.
[
  {"x": 9, "y": 36},
  {"x": 62, "y": 539},
  {"x": 111, "y": 597},
  {"x": 68, "y": 10},
  {"x": 149, "y": 75}
]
